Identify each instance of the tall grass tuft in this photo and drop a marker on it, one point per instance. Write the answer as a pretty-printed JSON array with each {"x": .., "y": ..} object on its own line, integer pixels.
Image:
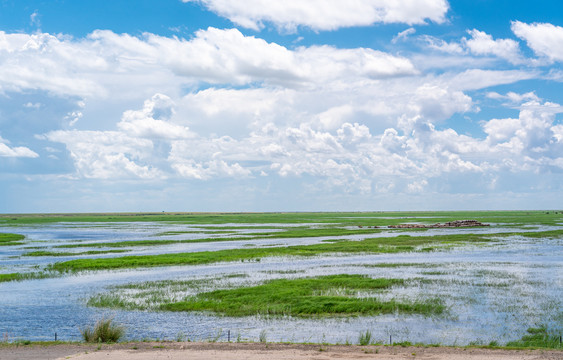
[
  {"x": 263, "y": 336},
  {"x": 365, "y": 338},
  {"x": 105, "y": 331}
]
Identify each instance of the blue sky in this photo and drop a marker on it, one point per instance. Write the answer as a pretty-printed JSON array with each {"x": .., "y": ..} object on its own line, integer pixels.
[{"x": 214, "y": 105}]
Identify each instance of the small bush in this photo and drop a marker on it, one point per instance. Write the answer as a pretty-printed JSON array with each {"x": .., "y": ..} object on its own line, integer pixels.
[
  {"x": 105, "y": 331},
  {"x": 365, "y": 338}
]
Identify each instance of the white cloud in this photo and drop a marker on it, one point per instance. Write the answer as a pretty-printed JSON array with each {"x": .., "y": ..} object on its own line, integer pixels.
[
  {"x": 326, "y": 14},
  {"x": 417, "y": 186},
  {"x": 351, "y": 157},
  {"x": 34, "y": 19},
  {"x": 209, "y": 169},
  {"x": 152, "y": 121},
  {"x": 403, "y": 35},
  {"x": 31, "y": 105},
  {"x": 441, "y": 45},
  {"x": 545, "y": 39},
  {"x": 513, "y": 98},
  {"x": 15, "y": 152},
  {"x": 128, "y": 67},
  {"x": 107, "y": 154},
  {"x": 435, "y": 103},
  {"x": 474, "y": 79},
  {"x": 482, "y": 43}
]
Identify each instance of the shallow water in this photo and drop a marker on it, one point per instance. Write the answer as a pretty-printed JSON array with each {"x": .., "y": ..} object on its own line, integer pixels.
[{"x": 492, "y": 292}]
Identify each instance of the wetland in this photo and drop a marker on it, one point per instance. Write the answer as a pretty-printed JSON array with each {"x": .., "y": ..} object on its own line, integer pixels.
[{"x": 284, "y": 277}]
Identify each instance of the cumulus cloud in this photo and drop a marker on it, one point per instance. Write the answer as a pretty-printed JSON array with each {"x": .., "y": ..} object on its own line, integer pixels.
[
  {"x": 350, "y": 157},
  {"x": 107, "y": 154},
  {"x": 545, "y": 39},
  {"x": 15, "y": 152},
  {"x": 153, "y": 120},
  {"x": 482, "y": 43},
  {"x": 106, "y": 62},
  {"x": 326, "y": 14},
  {"x": 435, "y": 103}
]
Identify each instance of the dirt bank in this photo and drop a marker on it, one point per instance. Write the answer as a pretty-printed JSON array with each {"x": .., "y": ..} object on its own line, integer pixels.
[{"x": 236, "y": 351}]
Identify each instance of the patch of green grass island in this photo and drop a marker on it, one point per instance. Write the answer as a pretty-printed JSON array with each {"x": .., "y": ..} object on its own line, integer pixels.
[
  {"x": 333, "y": 295},
  {"x": 7, "y": 239},
  {"x": 368, "y": 246}
]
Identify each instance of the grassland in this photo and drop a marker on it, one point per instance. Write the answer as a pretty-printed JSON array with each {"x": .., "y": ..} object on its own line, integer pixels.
[{"x": 515, "y": 218}]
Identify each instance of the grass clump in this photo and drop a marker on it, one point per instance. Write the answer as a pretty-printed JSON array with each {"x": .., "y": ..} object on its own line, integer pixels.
[
  {"x": 105, "y": 331},
  {"x": 333, "y": 295},
  {"x": 538, "y": 337},
  {"x": 365, "y": 338}
]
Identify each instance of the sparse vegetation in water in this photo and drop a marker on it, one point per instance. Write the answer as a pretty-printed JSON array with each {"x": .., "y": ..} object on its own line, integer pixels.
[
  {"x": 331, "y": 295},
  {"x": 104, "y": 331}
]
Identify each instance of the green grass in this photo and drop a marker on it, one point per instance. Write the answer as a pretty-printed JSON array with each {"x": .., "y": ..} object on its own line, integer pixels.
[
  {"x": 538, "y": 337},
  {"x": 135, "y": 243},
  {"x": 52, "y": 253},
  {"x": 25, "y": 276},
  {"x": 286, "y": 233},
  {"x": 7, "y": 239},
  {"x": 321, "y": 296},
  {"x": 516, "y": 218},
  {"x": 373, "y": 246},
  {"x": 365, "y": 338}
]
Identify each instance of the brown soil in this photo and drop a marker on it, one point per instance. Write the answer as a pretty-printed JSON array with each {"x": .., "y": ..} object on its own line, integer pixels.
[{"x": 257, "y": 351}]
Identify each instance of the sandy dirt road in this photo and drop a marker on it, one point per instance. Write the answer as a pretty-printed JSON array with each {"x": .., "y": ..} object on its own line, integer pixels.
[{"x": 235, "y": 351}]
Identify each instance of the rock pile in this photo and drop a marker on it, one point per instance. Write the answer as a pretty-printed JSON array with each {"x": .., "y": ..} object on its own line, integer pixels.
[{"x": 450, "y": 224}]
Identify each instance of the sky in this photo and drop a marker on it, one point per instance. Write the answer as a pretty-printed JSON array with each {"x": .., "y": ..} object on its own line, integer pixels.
[{"x": 260, "y": 105}]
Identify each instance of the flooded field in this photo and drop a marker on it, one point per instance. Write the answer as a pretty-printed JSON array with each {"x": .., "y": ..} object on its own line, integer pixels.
[{"x": 492, "y": 282}]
